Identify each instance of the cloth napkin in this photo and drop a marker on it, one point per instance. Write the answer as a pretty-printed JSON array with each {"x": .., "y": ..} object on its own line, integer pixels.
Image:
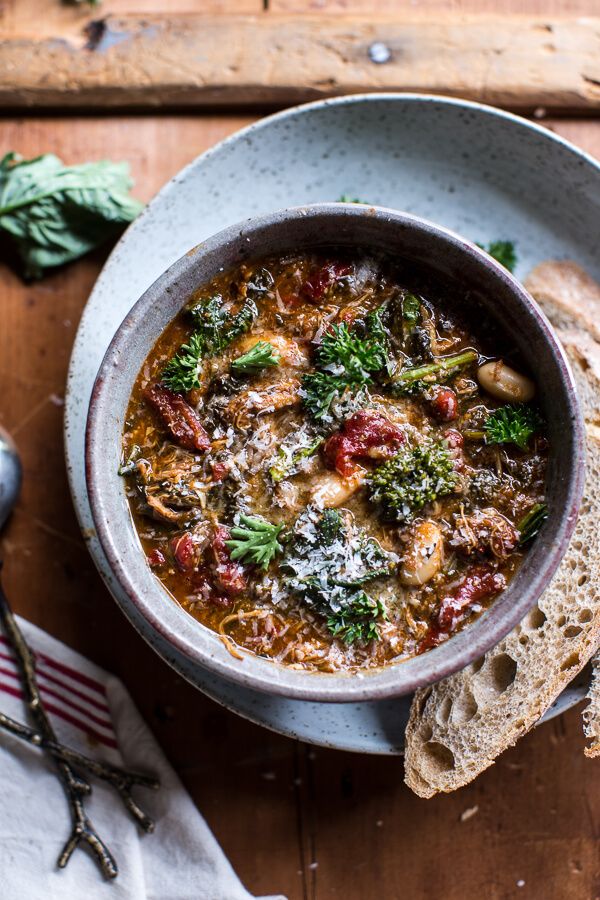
[{"x": 93, "y": 713}]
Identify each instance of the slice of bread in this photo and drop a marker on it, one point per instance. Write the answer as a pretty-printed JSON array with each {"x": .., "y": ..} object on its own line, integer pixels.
[
  {"x": 591, "y": 714},
  {"x": 568, "y": 295},
  {"x": 459, "y": 726},
  {"x": 584, "y": 355}
]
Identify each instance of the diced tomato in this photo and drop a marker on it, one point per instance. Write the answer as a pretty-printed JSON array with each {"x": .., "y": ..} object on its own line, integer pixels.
[
  {"x": 320, "y": 280},
  {"x": 229, "y": 576},
  {"x": 366, "y": 433},
  {"x": 156, "y": 559},
  {"x": 480, "y": 583},
  {"x": 184, "y": 552},
  {"x": 444, "y": 404},
  {"x": 219, "y": 470},
  {"x": 178, "y": 417}
]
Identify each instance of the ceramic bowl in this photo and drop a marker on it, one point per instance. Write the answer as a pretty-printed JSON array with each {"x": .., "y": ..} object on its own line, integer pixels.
[{"x": 485, "y": 285}]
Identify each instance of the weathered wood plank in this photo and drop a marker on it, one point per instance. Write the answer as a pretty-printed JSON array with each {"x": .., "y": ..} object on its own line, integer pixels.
[{"x": 520, "y": 62}]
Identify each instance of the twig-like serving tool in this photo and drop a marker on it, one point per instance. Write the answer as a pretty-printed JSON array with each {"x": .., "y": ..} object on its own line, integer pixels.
[
  {"x": 122, "y": 780},
  {"x": 76, "y": 788}
]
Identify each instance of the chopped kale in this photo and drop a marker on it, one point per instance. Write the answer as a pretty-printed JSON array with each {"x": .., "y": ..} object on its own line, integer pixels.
[
  {"x": 328, "y": 561},
  {"x": 531, "y": 523},
  {"x": 515, "y": 423},
  {"x": 358, "y": 621},
  {"x": 215, "y": 329},
  {"x": 290, "y": 459},
  {"x": 503, "y": 252},
  {"x": 345, "y": 360},
  {"x": 262, "y": 356}
]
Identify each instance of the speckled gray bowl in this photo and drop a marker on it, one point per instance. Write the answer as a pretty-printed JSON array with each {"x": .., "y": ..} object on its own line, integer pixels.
[{"x": 456, "y": 262}]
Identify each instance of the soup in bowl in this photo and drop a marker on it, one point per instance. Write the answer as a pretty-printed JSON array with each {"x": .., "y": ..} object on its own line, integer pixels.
[{"x": 334, "y": 457}]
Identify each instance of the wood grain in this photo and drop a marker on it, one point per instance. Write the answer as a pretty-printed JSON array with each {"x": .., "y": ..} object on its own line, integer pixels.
[
  {"x": 521, "y": 62},
  {"x": 311, "y": 823}
]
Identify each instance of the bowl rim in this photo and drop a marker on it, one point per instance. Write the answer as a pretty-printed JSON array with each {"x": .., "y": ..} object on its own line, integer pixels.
[{"x": 189, "y": 637}]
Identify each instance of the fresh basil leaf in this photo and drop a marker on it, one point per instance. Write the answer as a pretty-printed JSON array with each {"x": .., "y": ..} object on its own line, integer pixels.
[{"x": 56, "y": 213}]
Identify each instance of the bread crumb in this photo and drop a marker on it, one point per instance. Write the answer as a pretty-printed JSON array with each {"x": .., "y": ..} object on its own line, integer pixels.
[
  {"x": 315, "y": 865},
  {"x": 520, "y": 883},
  {"x": 469, "y": 813},
  {"x": 379, "y": 823}
]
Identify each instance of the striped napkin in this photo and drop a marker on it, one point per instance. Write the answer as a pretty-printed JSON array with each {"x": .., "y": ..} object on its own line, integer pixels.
[{"x": 92, "y": 712}]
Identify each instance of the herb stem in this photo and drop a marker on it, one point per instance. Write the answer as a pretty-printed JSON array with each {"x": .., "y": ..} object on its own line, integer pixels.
[{"x": 439, "y": 367}]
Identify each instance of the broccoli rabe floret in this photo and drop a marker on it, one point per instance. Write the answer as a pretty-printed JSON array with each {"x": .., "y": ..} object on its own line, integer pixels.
[{"x": 412, "y": 478}]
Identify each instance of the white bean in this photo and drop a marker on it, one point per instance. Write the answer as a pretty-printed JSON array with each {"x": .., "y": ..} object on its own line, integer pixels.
[
  {"x": 329, "y": 489},
  {"x": 504, "y": 383},
  {"x": 425, "y": 557}
]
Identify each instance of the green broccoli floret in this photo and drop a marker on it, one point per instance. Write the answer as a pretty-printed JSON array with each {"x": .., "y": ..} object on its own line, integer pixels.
[{"x": 413, "y": 478}]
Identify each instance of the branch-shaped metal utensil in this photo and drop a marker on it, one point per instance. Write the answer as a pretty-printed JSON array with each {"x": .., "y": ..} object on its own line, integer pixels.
[
  {"x": 121, "y": 779},
  {"x": 43, "y": 735},
  {"x": 75, "y": 787}
]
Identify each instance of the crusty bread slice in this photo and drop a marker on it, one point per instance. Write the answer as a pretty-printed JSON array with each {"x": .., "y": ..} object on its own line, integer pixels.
[
  {"x": 568, "y": 295},
  {"x": 459, "y": 726},
  {"x": 591, "y": 714},
  {"x": 584, "y": 355}
]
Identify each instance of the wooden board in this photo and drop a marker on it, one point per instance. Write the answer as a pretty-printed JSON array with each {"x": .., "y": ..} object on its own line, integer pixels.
[
  {"x": 520, "y": 62},
  {"x": 313, "y": 824}
]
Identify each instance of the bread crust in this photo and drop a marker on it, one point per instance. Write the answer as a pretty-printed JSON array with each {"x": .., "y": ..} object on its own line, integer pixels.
[
  {"x": 591, "y": 714},
  {"x": 458, "y": 727}
]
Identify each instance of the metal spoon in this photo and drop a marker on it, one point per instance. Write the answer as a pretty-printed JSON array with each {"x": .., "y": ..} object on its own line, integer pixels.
[{"x": 11, "y": 475}]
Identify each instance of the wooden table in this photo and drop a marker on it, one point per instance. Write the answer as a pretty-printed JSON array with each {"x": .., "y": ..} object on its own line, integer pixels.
[{"x": 308, "y": 822}]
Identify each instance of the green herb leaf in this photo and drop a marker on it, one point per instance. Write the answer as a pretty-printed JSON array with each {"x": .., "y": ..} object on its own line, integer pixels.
[
  {"x": 346, "y": 199},
  {"x": 255, "y": 541},
  {"x": 358, "y": 621},
  {"x": 531, "y": 523},
  {"x": 411, "y": 309},
  {"x": 288, "y": 462},
  {"x": 503, "y": 252},
  {"x": 181, "y": 372},
  {"x": 56, "y": 213},
  {"x": 514, "y": 423},
  {"x": 318, "y": 391},
  {"x": 357, "y": 356},
  {"x": 217, "y": 327},
  {"x": 262, "y": 356}
]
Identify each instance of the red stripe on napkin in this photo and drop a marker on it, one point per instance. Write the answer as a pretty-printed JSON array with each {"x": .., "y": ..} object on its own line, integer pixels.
[
  {"x": 91, "y": 683},
  {"x": 67, "y": 717},
  {"x": 97, "y": 704}
]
